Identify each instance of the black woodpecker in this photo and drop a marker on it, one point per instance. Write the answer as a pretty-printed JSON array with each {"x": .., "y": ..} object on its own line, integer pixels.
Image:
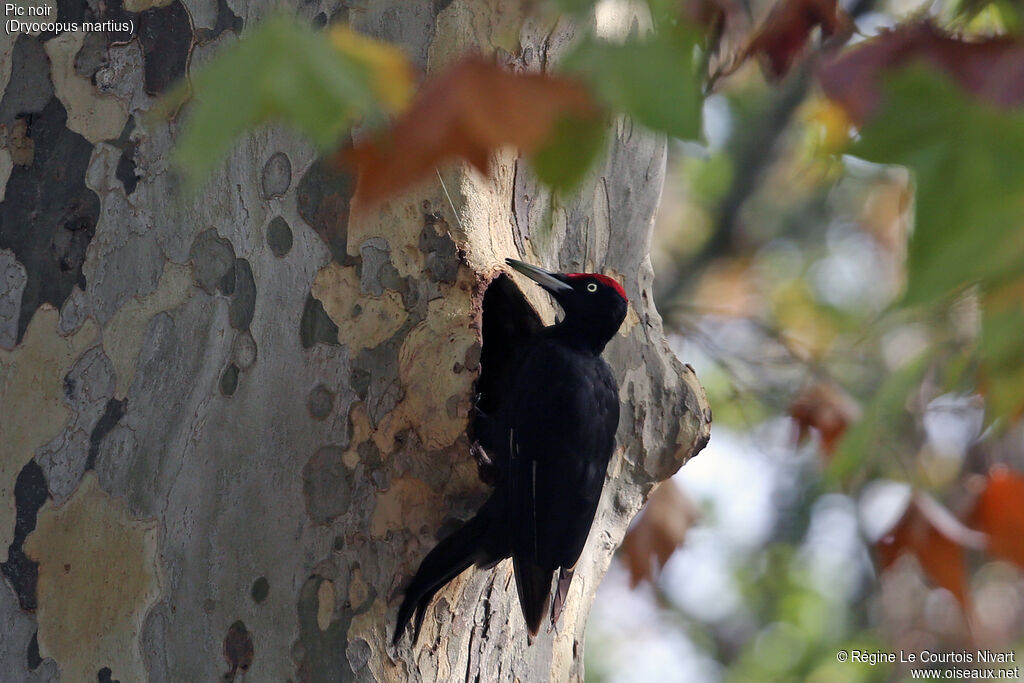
[{"x": 551, "y": 440}]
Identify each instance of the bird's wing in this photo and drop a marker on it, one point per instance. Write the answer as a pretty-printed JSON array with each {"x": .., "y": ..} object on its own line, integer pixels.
[{"x": 563, "y": 433}]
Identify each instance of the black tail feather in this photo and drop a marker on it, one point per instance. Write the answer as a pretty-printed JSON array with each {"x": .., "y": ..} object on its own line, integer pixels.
[
  {"x": 534, "y": 586},
  {"x": 448, "y": 559}
]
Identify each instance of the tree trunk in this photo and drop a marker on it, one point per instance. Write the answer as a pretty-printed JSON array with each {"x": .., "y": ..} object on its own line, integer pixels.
[{"x": 225, "y": 442}]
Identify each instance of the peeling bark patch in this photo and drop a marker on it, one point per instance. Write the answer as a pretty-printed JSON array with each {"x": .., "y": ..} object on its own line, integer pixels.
[
  {"x": 325, "y": 604},
  {"x": 229, "y": 380},
  {"x": 32, "y": 658},
  {"x": 358, "y": 654},
  {"x": 360, "y": 383},
  {"x": 113, "y": 413},
  {"x": 95, "y": 115},
  {"x": 442, "y": 256},
  {"x": 321, "y": 650},
  {"x": 408, "y": 499},
  {"x": 68, "y": 10},
  {"x": 143, "y": 5},
  {"x": 426, "y": 368},
  {"x": 126, "y": 168},
  {"x": 377, "y": 273},
  {"x": 226, "y": 21},
  {"x": 369, "y": 455},
  {"x": 29, "y": 88},
  {"x": 98, "y": 577},
  {"x": 260, "y": 589},
  {"x": 243, "y": 350},
  {"x": 31, "y": 391},
  {"x": 279, "y": 237},
  {"x": 324, "y": 196},
  {"x": 21, "y": 147},
  {"x": 92, "y": 56},
  {"x": 212, "y": 259},
  {"x": 374, "y": 369},
  {"x": 364, "y": 321},
  {"x": 105, "y": 675},
  {"x": 277, "y": 175},
  {"x": 12, "y": 282},
  {"x": 125, "y": 171},
  {"x": 321, "y": 402},
  {"x": 243, "y": 299},
  {"x": 326, "y": 485},
  {"x": 49, "y": 215},
  {"x": 316, "y": 327},
  {"x": 30, "y": 492},
  {"x": 124, "y": 334},
  {"x": 238, "y": 650},
  {"x": 166, "y": 37}
]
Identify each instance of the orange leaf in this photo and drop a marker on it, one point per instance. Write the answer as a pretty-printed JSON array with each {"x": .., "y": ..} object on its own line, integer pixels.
[
  {"x": 999, "y": 512},
  {"x": 658, "y": 532},
  {"x": 825, "y": 407},
  {"x": 781, "y": 38},
  {"x": 467, "y": 112},
  {"x": 931, "y": 534},
  {"x": 992, "y": 69}
]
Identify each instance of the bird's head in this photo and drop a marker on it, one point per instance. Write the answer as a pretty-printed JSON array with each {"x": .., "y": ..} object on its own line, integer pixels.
[{"x": 595, "y": 305}]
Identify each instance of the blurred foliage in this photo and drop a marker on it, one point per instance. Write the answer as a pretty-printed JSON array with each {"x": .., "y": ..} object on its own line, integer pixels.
[
  {"x": 652, "y": 79},
  {"x": 865, "y": 283},
  {"x": 319, "y": 83}
]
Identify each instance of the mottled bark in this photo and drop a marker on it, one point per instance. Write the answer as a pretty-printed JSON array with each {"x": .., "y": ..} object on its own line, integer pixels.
[{"x": 226, "y": 443}]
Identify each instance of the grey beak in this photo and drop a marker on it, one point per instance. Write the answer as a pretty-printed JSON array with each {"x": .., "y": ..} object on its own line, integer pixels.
[{"x": 545, "y": 279}]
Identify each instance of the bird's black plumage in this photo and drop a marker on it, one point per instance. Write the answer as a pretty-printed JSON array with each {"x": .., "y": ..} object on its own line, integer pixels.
[{"x": 551, "y": 433}]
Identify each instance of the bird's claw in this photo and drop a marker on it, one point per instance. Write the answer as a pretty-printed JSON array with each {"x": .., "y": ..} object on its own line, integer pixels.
[{"x": 485, "y": 467}]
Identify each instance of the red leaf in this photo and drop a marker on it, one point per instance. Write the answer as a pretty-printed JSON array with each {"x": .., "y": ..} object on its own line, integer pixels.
[
  {"x": 468, "y": 112},
  {"x": 999, "y": 513},
  {"x": 932, "y": 535},
  {"x": 825, "y": 407},
  {"x": 660, "y": 529},
  {"x": 782, "y": 36},
  {"x": 992, "y": 69}
]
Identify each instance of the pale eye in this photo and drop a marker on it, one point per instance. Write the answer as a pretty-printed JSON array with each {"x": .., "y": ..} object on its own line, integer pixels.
[{"x": 592, "y": 287}]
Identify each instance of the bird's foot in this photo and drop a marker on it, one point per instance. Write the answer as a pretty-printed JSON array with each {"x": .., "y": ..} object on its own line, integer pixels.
[{"x": 485, "y": 467}]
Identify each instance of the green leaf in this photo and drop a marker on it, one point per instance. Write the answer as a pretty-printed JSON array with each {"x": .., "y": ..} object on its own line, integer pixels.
[
  {"x": 967, "y": 158},
  {"x": 885, "y": 417},
  {"x": 281, "y": 72},
  {"x": 574, "y": 145},
  {"x": 1002, "y": 324},
  {"x": 652, "y": 79}
]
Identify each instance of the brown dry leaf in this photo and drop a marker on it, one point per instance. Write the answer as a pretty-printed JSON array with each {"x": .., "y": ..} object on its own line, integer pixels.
[
  {"x": 782, "y": 36},
  {"x": 658, "y": 532},
  {"x": 468, "y": 112},
  {"x": 999, "y": 513},
  {"x": 937, "y": 539},
  {"x": 824, "y": 406},
  {"x": 725, "y": 24},
  {"x": 992, "y": 69}
]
